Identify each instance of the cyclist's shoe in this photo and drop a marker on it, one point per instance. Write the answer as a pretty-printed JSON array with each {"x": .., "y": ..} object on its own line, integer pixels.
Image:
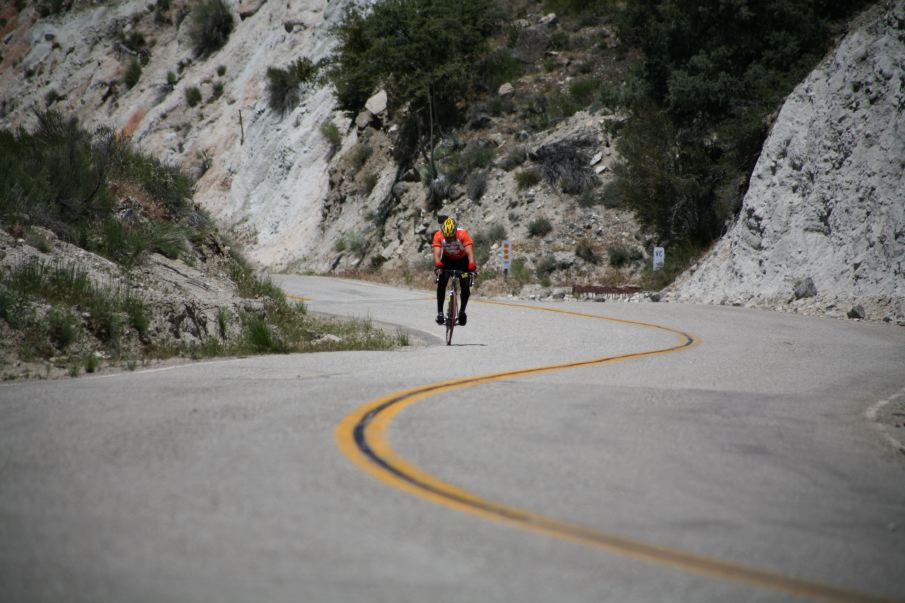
[
  {"x": 463, "y": 318},
  {"x": 440, "y": 319}
]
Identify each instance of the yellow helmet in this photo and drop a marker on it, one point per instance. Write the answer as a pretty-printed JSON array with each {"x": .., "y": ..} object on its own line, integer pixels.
[{"x": 449, "y": 227}]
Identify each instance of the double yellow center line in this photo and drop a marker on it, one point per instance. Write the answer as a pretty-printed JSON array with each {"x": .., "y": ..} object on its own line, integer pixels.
[{"x": 362, "y": 437}]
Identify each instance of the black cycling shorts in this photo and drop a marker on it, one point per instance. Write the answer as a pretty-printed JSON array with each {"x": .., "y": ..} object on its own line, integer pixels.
[{"x": 459, "y": 264}]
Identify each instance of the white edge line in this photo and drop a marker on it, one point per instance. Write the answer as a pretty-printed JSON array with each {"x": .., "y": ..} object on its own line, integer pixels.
[{"x": 126, "y": 372}]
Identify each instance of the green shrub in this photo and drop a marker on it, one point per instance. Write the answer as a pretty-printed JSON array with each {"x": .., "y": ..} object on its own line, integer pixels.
[
  {"x": 169, "y": 185},
  {"x": 519, "y": 274},
  {"x": 51, "y": 97},
  {"x": 458, "y": 165},
  {"x": 62, "y": 328},
  {"x": 172, "y": 79},
  {"x": 527, "y": 178},
  {"x": 476, "y": 185},
  {"x": 515, "y": 157},
  {"x": 585, "y": 250},
  {"x": 497, "y": 68},
  {"x": 331, "y": 134},
  {"x": 38, "y": 241},
  {"x": 260, "y": 336},
  {"x": 284, "y": 85},
  {"x": 355, "y": 243},
  {"x": 56, "y": 176},
  {"x": 368, "y": 182},
  {"x": 589, "y": 199},
  {"x": 137, "y": 313},
  {"x": 360, "y": 155},
  {"x": 584, "y": 91},
  {"x": 192, "y": 96},
  {"x": 563, "y": 165},
  {"x": 249, "y": 284},
  {"x": 282, "y": 89},
  {"x": 210, "y": 26},
  {"x": 545, "y": 266},
  {"x": 560, "y": 40},
  {"x": 539, "y": 227},
  {"x": 484, "y": 239},
  {"x": 497, "y": 232},
  {"x": 621, "y": 256},
  {"x": 133, "y": 73},
  {"x": 216, "y": 91},
  {"x": 91, "y": 363},
  {"x": 221, "y": 70},
  {"x": 546, "y": 109},
  {"x": 223, "y": 317},
  {"x": 170, "y": 239},
  {"x": 123, "y": 243},
  {"x": 52, "y": 7}
]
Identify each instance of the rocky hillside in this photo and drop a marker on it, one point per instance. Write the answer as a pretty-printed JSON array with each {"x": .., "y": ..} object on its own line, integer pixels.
[
  {"x": 532, "y": 163},
  {"x": 822, "y": 227},
  {"x": 291, "y": 197}
]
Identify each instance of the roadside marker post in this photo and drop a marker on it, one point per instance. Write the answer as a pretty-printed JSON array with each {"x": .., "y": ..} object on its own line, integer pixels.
[
  {"x": 659, "y": 258},
  {"x": 505, "y": 253}
]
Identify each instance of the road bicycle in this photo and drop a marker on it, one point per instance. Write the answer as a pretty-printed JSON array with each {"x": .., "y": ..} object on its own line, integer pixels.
[{"x": 452, "y": 294}]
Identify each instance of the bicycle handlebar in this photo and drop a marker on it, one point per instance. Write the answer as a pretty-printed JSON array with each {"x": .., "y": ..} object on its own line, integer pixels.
[{"x": 456, "y": 274}]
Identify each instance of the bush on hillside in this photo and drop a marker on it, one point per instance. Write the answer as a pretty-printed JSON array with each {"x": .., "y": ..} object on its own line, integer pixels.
[
  {"x": 563, "y": 165},
  {"x": 585, "y": 250},
  {"x": 211, "y": 24},
  {"x": 527, "y": 178},
  {"x": 284, "y": 85},
  {"x": 331, "y": 133},
  {"x": 192, "y": 96},
  {"x": 59, "y": 177},
  {"x": 539, "y": 227},
  {"x": 133, "y": 73}
]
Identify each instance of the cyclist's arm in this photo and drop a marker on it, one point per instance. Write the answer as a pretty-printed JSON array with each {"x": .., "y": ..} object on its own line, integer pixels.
[{"x": 437, "y": 250}]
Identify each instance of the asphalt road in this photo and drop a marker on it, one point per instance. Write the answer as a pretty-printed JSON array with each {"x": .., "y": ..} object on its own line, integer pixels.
[{"x": 726, "y": 456}]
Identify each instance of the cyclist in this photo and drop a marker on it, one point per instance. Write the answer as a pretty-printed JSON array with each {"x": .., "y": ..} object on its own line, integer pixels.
[{"x": 453, "y": 250}]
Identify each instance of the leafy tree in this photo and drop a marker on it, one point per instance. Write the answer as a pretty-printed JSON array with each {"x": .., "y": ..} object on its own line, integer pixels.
[
  {"x": 423, "y": 52},
  {"x": 712, "y": 74}
]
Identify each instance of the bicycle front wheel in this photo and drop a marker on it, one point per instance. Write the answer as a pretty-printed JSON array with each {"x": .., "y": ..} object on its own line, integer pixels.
[{"x": 452, "y": 314}]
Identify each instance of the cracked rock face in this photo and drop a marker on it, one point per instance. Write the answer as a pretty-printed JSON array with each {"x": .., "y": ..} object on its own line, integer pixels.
[{"x": 827, "y": 197}]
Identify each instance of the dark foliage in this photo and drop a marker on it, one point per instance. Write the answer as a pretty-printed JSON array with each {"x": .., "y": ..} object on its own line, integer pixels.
[
  {"x": 563, "y": 165},
  {"x": 426, "y": 53},
  {"x": 284, "y": 86},
  {"x": 539, "y": 227},
  {"x": 712, "y": 74},
  {"x": 133, "y": 73},
  {"x": 211, "y": 24},
  {"x": 58, "y": 177}
]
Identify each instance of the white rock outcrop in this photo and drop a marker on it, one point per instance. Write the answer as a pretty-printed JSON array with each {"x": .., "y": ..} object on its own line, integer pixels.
[
  {"x": 268, "y": 172},
  {"x": 826, "y": 200}
]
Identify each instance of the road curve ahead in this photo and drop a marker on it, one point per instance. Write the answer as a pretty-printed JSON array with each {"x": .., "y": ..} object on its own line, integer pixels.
[{"x": 567, "y": 451}]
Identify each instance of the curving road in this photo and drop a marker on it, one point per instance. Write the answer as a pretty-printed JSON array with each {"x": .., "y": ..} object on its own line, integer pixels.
[{"x": 568, "y": 451}]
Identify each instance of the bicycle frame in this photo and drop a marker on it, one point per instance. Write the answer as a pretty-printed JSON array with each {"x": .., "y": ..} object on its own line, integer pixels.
[{"x": 452, "y": 304}]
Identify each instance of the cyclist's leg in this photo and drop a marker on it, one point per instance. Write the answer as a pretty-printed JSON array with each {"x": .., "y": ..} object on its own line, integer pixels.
[
  {"x": 466, "y": 291},
  {"x": 441, "y": 290}
]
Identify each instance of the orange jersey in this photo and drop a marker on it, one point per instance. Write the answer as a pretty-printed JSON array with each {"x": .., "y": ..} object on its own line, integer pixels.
[{"x": 455, "y": 249}]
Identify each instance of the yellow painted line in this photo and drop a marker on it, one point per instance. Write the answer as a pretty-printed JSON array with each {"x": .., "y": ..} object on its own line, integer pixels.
[
  {"x": 297, "y": 297},
  {"x": 362, "y": 437}
]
